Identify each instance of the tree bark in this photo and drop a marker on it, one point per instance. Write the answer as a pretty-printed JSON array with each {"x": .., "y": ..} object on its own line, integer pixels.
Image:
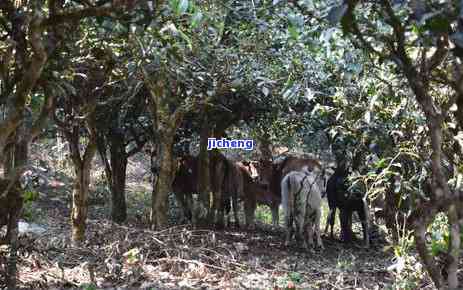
[
  {"x": 454, "y": 247},
  {"x": 439, "y": 186},
  {"x": 204, "y": 184},
  {"x": 82, "y": 167},
  {"x": 80, "y": 200},
  {"x": 118, "y": 176},
  {"x": 165, "y": 123},
  {"x": 16, "y": 162},
  {"x": 11, "y": 279},
  {"x": 164, "y": 183}
]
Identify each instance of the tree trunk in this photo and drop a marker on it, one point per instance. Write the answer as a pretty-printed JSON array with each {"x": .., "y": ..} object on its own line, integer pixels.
[
  {"x": 439, "y": 189},
  {"x": 454, "y": 246},
  {"x": 16, "y": 162},
  {"x": 118, "y": 170},
  {"x": 218, "y": 173},
  {"x": 154, "y": 175},
  {"x": 164, "y": 182},
  {"x": 11, "y": 272},
  {"x": 80, "y": 202},
  {"x": 82, "y": 167},
  {"x": 204, "y": 182}
]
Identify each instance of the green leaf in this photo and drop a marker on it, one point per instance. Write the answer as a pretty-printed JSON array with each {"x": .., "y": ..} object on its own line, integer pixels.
[
  {"x": 293, "y": 32},
  {"x": 196, "y": 19},
  {"x": 186, "y": 38},
  {"x": 438, "y": 24},
  {"x": 174, "y": 5}
]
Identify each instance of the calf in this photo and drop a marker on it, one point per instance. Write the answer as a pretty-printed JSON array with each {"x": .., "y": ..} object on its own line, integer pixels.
[
  {"x": 301, "y": 198},
  {"x": 255, "y": 193},
  {"x": 339, "y": 197}
]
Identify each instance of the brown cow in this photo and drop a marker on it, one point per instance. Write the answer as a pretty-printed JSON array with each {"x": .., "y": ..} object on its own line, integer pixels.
[
  {"x": 223, "y": 180},
  {"x": 272, "y": 173},
  {"x": 253, "y": 193}
]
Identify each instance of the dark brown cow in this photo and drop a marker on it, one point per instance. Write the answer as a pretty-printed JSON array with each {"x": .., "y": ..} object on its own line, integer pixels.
[
  {"x": 186, "y": 183},
  {"x": 225, "y": 181},
  {"x": 272, "y": 173}
]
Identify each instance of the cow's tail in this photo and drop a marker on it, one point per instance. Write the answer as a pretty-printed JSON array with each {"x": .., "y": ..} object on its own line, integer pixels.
[{"x": 287, "y": 198}]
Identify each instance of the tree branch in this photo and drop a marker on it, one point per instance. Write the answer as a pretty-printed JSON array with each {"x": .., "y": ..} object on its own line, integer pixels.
[
  {"x": 28, "y": 81},
  {"x": 41, "y": 121},
  {"x": 77, "y": 14}
]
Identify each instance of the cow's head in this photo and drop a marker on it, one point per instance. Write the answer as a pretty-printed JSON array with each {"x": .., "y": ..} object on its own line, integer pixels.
[
  {"x": 250, "y": 167},
  {"x": 264, "y": 170}
]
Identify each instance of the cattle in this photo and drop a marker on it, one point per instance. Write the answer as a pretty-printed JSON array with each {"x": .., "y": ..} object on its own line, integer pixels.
[
  {"x": 185, "y": 183},
  {"x": 253, "y": 193},
  {"x": 339, "y": 196},
  {"x": 301, "y": 199},
  {"x": 272, "y": 172},
  {"x": 225, "y": 182}
]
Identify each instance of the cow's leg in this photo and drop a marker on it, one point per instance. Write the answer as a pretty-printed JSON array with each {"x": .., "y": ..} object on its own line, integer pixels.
[
  {"x": 275, "y": 216},
  {"x": 346, "y": 233},
  {"x": 333, "y": 218},
  {"x": 316, "y": 226},
  {"x": 219, "y": 208},
  {"x": 190, "y": 208},
  {"x": 289, "y": 218},
  {"x": 307, "y": 233},
  {"x": 220, "y": 218},
  {"x": 364, "y": 218},
  {"x": 310, "y": 233},
  {"x": 327, "y": 225},
  {"x": 330, "y": 221},
  {"x": 300, "y": 236},
  {"x": 235, "y": 210},
  {"x": 250, "y": 205},
  {"x": 227, "y": 208},
  {"x": 366, "y": 236},
  {"x": 183, "y": 204}
]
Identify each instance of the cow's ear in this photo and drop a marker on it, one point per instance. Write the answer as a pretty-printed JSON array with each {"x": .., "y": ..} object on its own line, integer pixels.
[{"x": 245, "y": 163}]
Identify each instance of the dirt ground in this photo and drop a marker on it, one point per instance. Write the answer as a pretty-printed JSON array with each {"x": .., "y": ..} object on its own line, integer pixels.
[
  {"x": 131, "y": 256},
  {"x": 182, "y": 257}
]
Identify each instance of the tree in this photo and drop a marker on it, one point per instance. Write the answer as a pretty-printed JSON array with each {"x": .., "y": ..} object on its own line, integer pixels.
[
  {"x": 416, "y": 37},
  {"x": 31, "y": 34},
  {"x": 123, "y": 129}
]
